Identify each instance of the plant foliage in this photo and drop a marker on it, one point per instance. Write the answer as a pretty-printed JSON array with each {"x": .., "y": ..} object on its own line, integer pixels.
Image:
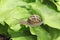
[{"x": 48, "y": 10}]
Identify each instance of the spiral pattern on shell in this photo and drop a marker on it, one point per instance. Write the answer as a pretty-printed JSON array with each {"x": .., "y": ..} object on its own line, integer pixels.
[{"x": 34, "y": 19}]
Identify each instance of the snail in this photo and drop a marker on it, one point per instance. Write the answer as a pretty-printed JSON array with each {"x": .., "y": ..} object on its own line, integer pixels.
[{"x": 33, "y": 20}]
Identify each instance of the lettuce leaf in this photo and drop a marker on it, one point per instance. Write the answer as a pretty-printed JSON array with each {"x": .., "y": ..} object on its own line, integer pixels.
[{"x": 11, "y": 11}]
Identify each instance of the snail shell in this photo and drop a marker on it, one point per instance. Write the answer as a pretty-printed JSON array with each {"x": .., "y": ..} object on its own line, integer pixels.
[{"x": 34, "y": 19}]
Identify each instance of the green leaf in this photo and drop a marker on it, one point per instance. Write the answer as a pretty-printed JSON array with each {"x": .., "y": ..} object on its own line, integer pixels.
[
  {"x": 57, "y": 3},
  {"x": 4, "y": 28},
  {"x": 24, "y": 38},
  {"x": 11, "y": 13},
  {"x": 22, "y": 34},
  {"x": 29, "y": 1},
  {"x": 40, "y": 32},
  {"x": 54, "y": 33},
  {"x": 15, "y": 15},
  {"x": 7, "y": 6},
  {"x": 50, "y": 16},
  {"x": 58, "y": 38},
  {"x": 39, "y": 1}
]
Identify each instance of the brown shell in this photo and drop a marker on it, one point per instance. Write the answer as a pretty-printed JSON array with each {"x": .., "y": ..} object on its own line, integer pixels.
[{"x": 34, "y": 19}]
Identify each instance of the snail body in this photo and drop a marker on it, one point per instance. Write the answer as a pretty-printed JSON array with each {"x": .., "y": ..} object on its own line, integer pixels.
[{"x": 33, "y": 20}]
